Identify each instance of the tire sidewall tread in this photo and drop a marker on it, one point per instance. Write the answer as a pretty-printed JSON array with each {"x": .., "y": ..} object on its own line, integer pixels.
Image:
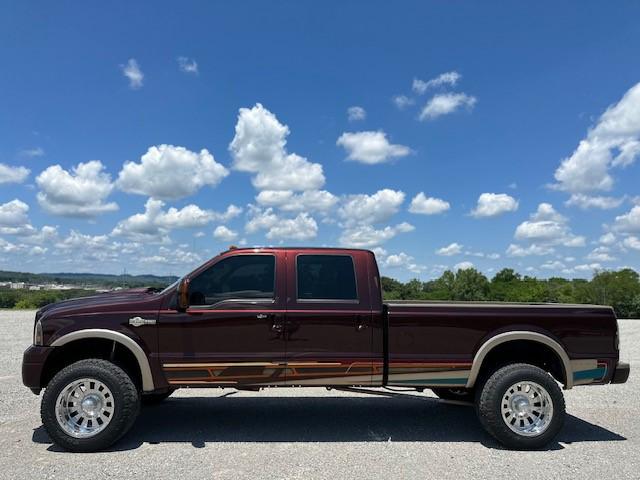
[
  {"x": 489, "y": 400},
  {"x": 126, "y": 398}
]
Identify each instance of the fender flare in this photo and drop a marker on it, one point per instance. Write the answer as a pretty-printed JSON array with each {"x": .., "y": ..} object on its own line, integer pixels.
[
  {"x": 501, "y": 338},
  {"x": 122, "y": 339}
]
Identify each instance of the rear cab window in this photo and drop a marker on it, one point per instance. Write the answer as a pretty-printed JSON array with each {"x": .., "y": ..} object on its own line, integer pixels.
[{"x": 327, "y": 277}]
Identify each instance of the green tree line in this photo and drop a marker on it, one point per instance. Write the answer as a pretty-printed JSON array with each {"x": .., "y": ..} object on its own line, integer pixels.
[
  {"x": 34, "y": 299},
  {"x": 619, "y": 289}
]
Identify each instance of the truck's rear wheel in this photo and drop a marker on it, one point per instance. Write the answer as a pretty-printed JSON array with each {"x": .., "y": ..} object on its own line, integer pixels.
[
  {"x": 522, "y": 406},
  {"x": 89, "y": 405}
]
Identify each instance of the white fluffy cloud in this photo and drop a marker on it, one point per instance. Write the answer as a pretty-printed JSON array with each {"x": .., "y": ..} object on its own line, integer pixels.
[
  {"x": 259, "y": 147},
  {"x": 356, "y": 113},
  {"x": 607, "y": 239},
  {"x": 365, "y": 236},
  {"x": 428, "y": 206},
  {"x": 133, "y": 72},
  {"x": 170, "y": 172},
  {"x": 547, "y": 226},
  {"x": 400, "y": 260},
  {"x": 402, "y": 101},
  {"x": 13, "y": 216},
  {"x": 493, "y": 205},
  {"x": 223, "y": 234},
  {"x": 629, "y": 222},
  {"x": 188, "y": 65},
  {"x": 79, "y": 193},
  {"x": 588, "y": 267},
  {"x": 552, "y": 265},
  {"x": 613, "y": 142},
  {"x": 155, "y": 224},
  {"x": 463, "y": 266},
  {"x": 371, "y": 147},
  {"x": 303, "y": 227},
  {"x": 447, "y": 78},
  {"x": 446, "y": 103},
  {"x": 260, "y": 219},
  {"x": 632, "y": 242},
  {"x": 601, "y": 254},
  {"x": 371, "y": 209},
  {"x": 13, "y": 174},
  {"x": 287, "y": 200},
  {"x": 450, "y": 250},
  {"x": 585, "y": 202},
  {"x": 519, "y": 251}
]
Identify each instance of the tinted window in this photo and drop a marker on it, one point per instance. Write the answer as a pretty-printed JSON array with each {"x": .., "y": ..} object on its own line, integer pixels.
[
  {"x": 237, "y": 277},
  {"x": 326, "y": 277}
]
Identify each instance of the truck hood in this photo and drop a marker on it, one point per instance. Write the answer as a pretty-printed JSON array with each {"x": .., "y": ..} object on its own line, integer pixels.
[{"x": 130, "y": 296}]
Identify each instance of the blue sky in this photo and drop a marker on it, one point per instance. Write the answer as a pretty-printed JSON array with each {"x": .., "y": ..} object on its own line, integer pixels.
[{"x": 482, "y": 108}]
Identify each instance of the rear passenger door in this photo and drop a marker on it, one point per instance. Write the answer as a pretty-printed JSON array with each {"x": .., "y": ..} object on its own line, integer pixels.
[{"x": 328, "y": 329}]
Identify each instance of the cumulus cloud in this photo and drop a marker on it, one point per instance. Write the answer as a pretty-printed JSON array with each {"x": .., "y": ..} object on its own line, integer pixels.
[
  {"x": 13, "y": 216},
  {"x": 356, "y": 113},
  {"x": 13, "y": 174},
  {"x": 447, "y": 78},
  {"x": 547, "y": 226},
  {"x": 402, "y": 101},
  {"x": 450, "y": 250},
  {"x": 401, "y": 260},
  {"x": 303, "y": 227},
  {"x": 552, "y": 265},
  {"x": 188, "y": 65},
  {"x": 371, "y": 209},
  {"x": 428, "y": 206},
  {"x": 259, "y": 147},
  {"x": 132, "y": 71},
  {"x": 607, "y": 238},
  {"x": 493, "y": 205},
  {"x": 371, "y": 147},
  {"x": 632, "y": 242},
  {"x": 586, "y": 202},
  {"x": 463, "y": 266},
  {"x": 588, "y": 267},
  {"x": 446, "y": 103},
  {"x": 82, "y": 247},
  {"x": 155, "y": 224},
  {"x": 287, "y": 200},
  {"x": 533, "y": 249},
  {"x": 79, "y": 193},
  {"x": 601, "y": 254},
  {"x": 629, "y": 222},
  {"x": 613, "y": 142},
  {"x": 170, "y": 172},
  {"x": 365, "y": 236},
  {"x": 260, "y": 219},
  {"x": 223, "y": 234}
]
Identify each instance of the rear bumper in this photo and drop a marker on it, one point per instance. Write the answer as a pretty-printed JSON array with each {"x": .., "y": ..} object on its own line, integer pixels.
[
  {"x": 33, "y": 361},
  {"x": 621, "y": 373}
]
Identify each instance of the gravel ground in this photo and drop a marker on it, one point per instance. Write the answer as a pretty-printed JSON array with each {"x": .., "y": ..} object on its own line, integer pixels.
[{"x": 312, "y": 433}]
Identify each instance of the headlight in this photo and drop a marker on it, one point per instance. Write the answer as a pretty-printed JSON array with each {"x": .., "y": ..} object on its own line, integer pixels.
[{"x": 37, "y": 334}]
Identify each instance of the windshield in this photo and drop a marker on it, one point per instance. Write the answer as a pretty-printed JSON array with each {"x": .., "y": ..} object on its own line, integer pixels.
[{"x": 169, "y": 287}]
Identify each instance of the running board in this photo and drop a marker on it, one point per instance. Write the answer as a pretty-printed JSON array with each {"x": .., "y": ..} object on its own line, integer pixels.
[{"x": 398, "y": 394}]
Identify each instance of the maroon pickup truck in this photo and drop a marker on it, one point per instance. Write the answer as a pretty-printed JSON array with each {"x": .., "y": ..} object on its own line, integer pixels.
[{"x": 284, "y": 317}]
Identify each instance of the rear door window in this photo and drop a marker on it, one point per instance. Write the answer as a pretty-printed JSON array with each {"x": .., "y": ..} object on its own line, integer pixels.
[{"x": 326, "y": 277}]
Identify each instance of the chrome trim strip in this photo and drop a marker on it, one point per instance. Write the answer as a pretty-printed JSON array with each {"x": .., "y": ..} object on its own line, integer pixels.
[
  {"x": 520, "y": 335},
  {"x": 128, "y": 342}
]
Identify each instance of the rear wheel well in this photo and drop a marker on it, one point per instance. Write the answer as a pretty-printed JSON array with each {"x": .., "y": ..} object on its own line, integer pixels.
[
  {"x": 82, "y": 349},
  {"x": 523, "y": 351}
]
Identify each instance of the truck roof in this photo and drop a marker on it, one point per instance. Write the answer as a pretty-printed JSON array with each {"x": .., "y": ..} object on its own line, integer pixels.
[{"x": 232, "y": 248}]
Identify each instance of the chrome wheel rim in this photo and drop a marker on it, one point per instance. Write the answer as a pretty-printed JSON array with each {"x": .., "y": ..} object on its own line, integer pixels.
[
  {"x": 527, "y": 409},
  {"x": 84, "y": 407}
]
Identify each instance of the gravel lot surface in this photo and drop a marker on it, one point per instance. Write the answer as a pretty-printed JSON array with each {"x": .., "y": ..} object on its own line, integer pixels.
[{"x": 312, "y": 433}]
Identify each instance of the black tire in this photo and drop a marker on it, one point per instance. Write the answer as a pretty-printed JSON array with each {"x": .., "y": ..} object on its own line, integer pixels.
[
  {"x": 155, "y": 398},
  {"x": 498, "y": 387},
  {"x": 125, "y": 398},
  {"x": 459, "y": 394}
]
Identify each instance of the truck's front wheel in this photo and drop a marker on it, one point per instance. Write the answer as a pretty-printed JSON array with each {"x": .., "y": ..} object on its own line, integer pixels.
[
  {"x": 522, "y": 406},
  {"x": 89, "y": 405}
]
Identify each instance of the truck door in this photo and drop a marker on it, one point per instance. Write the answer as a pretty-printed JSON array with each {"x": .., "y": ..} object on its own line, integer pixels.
[
  {"x": 232, "y": 334},
  {"x": 328, "y": 328}
]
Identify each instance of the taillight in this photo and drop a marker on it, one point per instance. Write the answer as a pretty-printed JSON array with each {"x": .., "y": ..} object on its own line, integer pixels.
[{"x": 616, "y": 342}]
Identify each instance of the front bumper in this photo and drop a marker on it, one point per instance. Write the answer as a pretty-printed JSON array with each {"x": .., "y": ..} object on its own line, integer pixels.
[
  {"x": 621, "y": 373},
  {"x": 33, "y": 361}
]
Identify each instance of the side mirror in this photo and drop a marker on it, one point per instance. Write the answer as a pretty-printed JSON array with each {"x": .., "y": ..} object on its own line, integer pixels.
[{"x": 183, "y": 294}]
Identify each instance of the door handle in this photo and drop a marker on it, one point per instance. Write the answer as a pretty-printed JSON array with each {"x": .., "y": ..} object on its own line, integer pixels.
[
  {"x": 361, "y": 322},
  {"x": 274, "y": 325}
]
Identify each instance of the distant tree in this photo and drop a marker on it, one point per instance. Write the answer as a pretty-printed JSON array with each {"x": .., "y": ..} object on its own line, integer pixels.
[{"x": 470, "y": 284}]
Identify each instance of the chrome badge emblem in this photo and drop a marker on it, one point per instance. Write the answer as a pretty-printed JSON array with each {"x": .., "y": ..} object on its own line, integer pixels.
[{"x": 139, "y": 321}]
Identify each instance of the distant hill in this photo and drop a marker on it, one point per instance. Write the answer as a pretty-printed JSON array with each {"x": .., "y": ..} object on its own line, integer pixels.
[{"x": 88, "y": 279}]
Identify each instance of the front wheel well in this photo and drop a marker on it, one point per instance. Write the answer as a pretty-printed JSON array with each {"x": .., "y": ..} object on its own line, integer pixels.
[
  {"x": 83, "y": 349},
  {"x": 523, "y": 351}
]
